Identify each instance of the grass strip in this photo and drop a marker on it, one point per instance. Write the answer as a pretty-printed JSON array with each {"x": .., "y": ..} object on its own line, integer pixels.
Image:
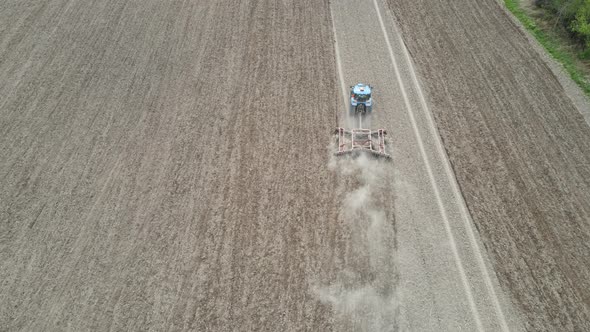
[{"x": 550, "y": 44}]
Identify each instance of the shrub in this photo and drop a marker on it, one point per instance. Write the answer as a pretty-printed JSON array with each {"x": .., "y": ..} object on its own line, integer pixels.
[
  {"x": 574, "y": 15},
  {"x": 581, "y": 25}
]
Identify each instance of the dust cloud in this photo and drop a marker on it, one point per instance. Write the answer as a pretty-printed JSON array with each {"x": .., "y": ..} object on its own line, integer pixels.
[{"x": 364, "y": 295}]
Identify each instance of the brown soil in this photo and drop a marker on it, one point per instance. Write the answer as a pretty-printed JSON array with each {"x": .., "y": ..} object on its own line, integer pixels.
[
  {"x": 161, "y": 168},
  {"x": 519, "y": 148}
]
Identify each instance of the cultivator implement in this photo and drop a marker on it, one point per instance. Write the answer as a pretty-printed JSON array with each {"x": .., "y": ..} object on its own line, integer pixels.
[{"x": 356, "y": 141}]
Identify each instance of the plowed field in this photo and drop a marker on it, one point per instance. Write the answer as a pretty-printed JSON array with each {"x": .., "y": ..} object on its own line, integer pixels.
[
  {"x": 161, "y": 165},
  {"x": 166, "y": 165}
]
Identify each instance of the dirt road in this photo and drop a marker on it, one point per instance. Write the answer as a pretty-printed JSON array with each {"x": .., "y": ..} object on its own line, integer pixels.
[{"x": 443, "y": 282}]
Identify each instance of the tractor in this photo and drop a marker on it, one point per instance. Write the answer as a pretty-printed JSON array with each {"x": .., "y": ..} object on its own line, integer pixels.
[
  {"x": 361, "y": 102},
  {"x": 361, "y": 140}
]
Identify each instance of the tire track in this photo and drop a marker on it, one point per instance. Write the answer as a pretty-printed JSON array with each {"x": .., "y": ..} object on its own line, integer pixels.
[
  {"x": 518, "y": 147},
  {"x": 466, "y": 218},
  {"x": 435, "y": 189}
]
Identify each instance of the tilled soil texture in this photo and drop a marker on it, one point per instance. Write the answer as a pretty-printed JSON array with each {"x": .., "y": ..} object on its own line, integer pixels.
[
  {"x": 164, "y": 165},
  {"x": 443, "y": 283},
  {"x": 519, "y": 148}
]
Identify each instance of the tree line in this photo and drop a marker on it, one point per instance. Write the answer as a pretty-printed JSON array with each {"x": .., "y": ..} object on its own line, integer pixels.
[{"x": 574, "y": 15}]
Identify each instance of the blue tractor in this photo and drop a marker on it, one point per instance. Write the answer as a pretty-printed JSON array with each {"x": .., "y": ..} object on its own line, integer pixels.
[{"x": 361, "y": 101}]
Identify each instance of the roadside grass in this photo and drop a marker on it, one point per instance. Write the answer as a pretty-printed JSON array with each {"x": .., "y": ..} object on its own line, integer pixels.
[{"x": 552, "y": 44}]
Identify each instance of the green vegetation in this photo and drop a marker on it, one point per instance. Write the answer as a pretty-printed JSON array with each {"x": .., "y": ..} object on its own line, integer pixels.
[
  {"x": 574, "y": 15},
  {"x": 581, "y": 25}
]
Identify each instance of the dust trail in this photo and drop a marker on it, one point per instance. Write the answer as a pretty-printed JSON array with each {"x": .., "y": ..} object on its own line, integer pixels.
[{"x": 364, "y": 294}]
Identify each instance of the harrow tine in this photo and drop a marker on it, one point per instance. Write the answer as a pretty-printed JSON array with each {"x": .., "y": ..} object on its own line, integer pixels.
[{"x": 357, "y": 140}]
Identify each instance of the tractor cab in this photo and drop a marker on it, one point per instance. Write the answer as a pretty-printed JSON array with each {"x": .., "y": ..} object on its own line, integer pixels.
[{"x": 360, "y": 99}]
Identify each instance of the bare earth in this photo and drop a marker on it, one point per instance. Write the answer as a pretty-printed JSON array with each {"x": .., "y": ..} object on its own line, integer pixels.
[
  {"x": 443, "y": 281},
  {"x": 159, "y": 165},
  {"x": 519, "y": 149},
  {"x": 166, "y": 166}
]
